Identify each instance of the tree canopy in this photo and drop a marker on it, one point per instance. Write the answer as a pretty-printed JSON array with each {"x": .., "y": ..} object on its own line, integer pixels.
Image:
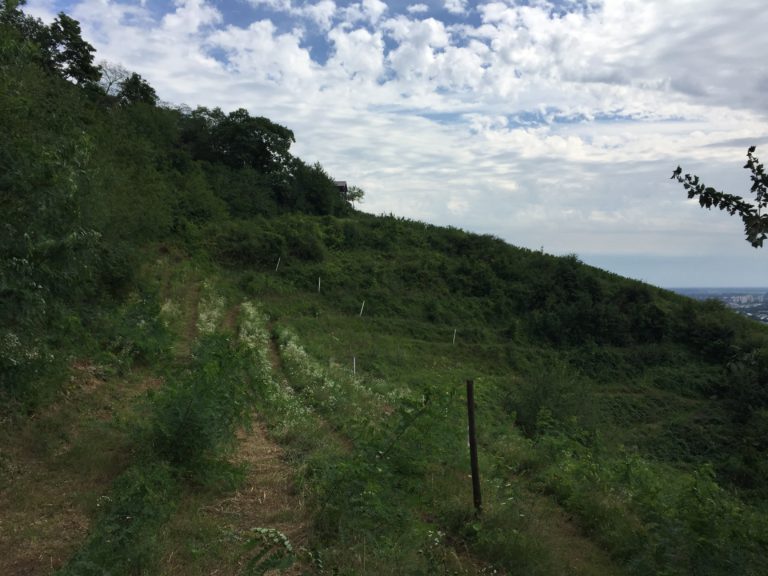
[
  {"x": 134, "y": 89},
  {"x": 62, "y": 49}
]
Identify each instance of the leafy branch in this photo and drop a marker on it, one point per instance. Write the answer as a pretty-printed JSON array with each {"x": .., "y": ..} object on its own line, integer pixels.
[{"x": 752, "y": 214}]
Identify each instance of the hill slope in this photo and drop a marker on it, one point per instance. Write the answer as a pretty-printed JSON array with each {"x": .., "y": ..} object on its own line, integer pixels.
[{"x": 179, "y": 293}]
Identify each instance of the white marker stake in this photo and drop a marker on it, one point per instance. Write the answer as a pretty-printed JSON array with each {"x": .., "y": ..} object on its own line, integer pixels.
[
  {"x": 354, "y": 365},
  {"x": 318, "y": 284},
  {"x": 361, "y": 308},
  {"x": 454, "y": 335},
  {"x": 278, "y": 263}
]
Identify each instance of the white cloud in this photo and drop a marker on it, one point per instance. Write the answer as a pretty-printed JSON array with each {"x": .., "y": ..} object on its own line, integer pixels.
[
  {"x": 418, "y": 40},
  {"x": 359, "y": 53},
  {"x": 261, "y": 54},
  {"x": 456, "y": 6},
  {"x": 417, "y": 9},
  {"x": 457, "y": 206},
  {"x": 322, "y": 13},
  {"x": 369, "y": 11},
  {"x": 190, "y": 16}
]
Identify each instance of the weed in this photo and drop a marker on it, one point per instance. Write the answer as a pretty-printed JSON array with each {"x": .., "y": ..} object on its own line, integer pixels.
[
  {"x": 195, "y": 416},
  {"x": 269, "y": 549},
  {"x": 123, "y": 539}
]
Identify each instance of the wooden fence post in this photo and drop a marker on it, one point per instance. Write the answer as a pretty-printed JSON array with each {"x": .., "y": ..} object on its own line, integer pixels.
[{"x": 477, "y": 498}]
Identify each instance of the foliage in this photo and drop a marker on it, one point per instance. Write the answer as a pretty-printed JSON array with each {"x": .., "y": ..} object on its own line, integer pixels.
[
  {"x": 655, "y": 520},
  {"x": 355, "y": 194},
  {"x": 269, "y": 549},
  {"x": 552, "y": 397},
  {"x": 195, "y": 416},
  {"x": 642, "y": 413},
  {"x": 751, "y": 214},
  {"x": 112, "y": 75},
  {"x": 135, "y": 90},
  {"x": 238, "y": 140},
  {"x": 314, "y": 191},
  {"x": 249, "y": 243},
  {"x": 123, "y": 541},
  {"x": 62, "y": 50}
]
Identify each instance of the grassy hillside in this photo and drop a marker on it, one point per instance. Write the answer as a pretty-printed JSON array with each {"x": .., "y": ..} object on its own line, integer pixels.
[{"x": 210, "y": 361}]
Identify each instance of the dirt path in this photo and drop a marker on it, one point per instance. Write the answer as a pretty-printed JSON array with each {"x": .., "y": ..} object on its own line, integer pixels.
[
  {"x": 42, "y": 520},
  {"x": 56, "y": 464},
  {"x": 267, "y": 498}
]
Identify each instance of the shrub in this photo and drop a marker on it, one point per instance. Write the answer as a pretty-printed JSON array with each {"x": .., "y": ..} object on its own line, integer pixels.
[
  {"x": 303, "y": 237},
  {"x": 553, "y": 394},
  {"x": 195, "y": 416},
  {"x": 136, "y": 332},
  {"x": 247, "y": 243}
]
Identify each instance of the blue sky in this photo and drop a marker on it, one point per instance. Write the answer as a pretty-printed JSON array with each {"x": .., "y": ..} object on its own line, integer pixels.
[{"x": 551, "y": 124}]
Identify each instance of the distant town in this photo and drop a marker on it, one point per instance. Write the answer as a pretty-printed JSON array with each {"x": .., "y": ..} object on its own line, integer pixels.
[{"x": 752, "y": 302}]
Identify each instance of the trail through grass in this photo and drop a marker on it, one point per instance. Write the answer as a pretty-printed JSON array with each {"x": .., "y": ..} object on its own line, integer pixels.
[{"x": 210, "y": 531}]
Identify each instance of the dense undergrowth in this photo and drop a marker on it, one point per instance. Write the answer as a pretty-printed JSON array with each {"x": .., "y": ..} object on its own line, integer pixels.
[
  {"x": 622, "y": 428},
  {"x": 630, "y": 488}
]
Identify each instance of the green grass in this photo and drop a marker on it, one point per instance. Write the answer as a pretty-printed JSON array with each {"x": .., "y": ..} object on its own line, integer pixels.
[{"x": 594, "y": 460}]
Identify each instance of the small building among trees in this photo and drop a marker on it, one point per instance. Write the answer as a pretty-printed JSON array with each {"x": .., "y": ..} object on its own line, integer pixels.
[{"x": 342, "y": 186}]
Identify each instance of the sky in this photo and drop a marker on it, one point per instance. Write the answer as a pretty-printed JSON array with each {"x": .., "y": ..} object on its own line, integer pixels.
[{"x": 554, "y": 125}]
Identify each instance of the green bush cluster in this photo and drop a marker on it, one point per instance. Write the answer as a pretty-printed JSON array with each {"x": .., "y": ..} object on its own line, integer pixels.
[
  {"x": 195, "y": 415},
  {"x": 654, "y": 519},
  {"x": 88, "y": 177}
]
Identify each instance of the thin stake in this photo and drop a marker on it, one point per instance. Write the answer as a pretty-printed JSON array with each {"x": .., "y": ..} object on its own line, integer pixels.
[
  {"x": 278, "y": 263},
  {"x": 473, "y": 448},
  {"x": 354, "y": 366},
  {"x": 361, "y": 308},
  {"x": 454, "y": 336},
  {"x": 318, "y": 283}
]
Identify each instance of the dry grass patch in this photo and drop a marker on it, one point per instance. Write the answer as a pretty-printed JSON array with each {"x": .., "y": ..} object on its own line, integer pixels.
[
  {"x": 207, "y": 536},
  {"x": 55, "y": 465}
]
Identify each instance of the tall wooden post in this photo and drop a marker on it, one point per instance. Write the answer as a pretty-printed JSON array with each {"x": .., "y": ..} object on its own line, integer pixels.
[{"x": 473, "y": 448}]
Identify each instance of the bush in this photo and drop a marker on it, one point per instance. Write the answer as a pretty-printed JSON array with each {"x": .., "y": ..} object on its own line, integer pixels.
[
  {"x": 303, "y": 237},
  {"x": 194, "y": 418},
  {"x": 239, "y": 243},
  {"x": 553, "y": 394},
  {"x": 136, "y": 332},
  {"x": 117, "y": 268}
]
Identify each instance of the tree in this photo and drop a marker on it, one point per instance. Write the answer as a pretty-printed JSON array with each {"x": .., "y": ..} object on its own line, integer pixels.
[
  {"x": 71, "y": 56},
  {"x": 134, "y": 90},
  {"x": 243, "y": 140},
  {"x": 355, "y": 194},
  {"x": 62, "y": 49},
  {"x": 239, "y": 140},
  {"x": 112, "y": 75},
  {"x": 752, "y": 214},
  {"x": 314, "y": 190}
]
